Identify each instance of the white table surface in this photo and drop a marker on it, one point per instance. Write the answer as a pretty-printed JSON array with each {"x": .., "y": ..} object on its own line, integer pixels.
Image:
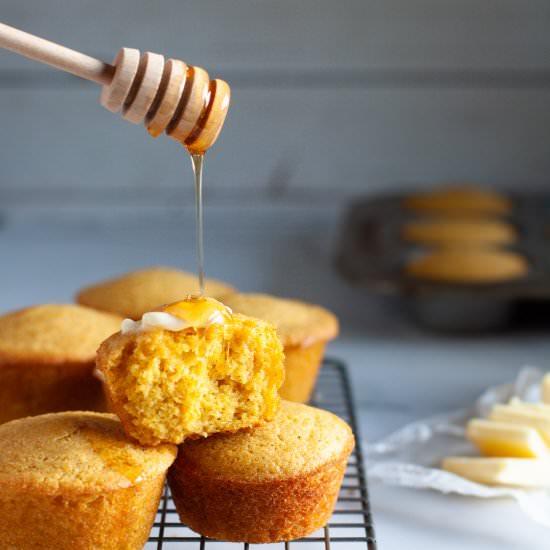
[{"x": 399, "y": 372}]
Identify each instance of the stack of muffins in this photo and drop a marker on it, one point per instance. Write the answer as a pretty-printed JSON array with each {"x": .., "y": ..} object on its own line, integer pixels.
[
  {"x": 467, "y": 236},
  {"x": 195, "y": 388}
]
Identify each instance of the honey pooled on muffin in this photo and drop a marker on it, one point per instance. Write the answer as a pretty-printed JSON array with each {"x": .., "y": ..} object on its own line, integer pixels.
[
  {"x": 73, "y": 481},
  {"x": 191, "y": 369}
]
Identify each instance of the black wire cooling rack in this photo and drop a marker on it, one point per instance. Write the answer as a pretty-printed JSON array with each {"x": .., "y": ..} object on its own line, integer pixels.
[{"x": 350, "y": 527}]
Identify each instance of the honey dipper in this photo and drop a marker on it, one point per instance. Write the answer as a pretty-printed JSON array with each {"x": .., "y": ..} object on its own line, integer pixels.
[{"x": 166, "y": 95}]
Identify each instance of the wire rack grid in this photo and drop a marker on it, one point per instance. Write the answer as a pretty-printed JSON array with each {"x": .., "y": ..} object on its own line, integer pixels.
[{"x": 350, "y": 527}]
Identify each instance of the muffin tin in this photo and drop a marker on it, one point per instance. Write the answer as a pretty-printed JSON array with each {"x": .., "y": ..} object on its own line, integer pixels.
[{"x": 372, "y": 254}]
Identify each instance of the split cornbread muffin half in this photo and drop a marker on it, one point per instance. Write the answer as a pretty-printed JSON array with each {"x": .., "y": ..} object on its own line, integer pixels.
[
  {"x": 73, "y": 481},
  {"x": 137, "y": 292},
  {"x": 47, "y": 356},
  {"x": 304, "y": 329},
  {"x": 276, "y": 482},
  {"x": 191, "y": 369}
]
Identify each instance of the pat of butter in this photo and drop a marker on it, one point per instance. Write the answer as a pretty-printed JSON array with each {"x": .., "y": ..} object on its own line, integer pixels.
[
  {"x": 545, "y": 388},
  {"x": 515, "y": 472},
  {"x": 506, "y": 439},
  {"x": 153, "y": 320},
  {"x": 542, "y": 408},
  {"x": 523, "y": 416},
  {"x": 192, "y": 312}
]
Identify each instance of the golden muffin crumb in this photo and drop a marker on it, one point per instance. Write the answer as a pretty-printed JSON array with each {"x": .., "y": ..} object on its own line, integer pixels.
[
  {"x": 456, "y": 265},
  {"x": 133, "y": 294},
  {"x": 54, "y": 333},
  {"x": 464, "y": 199},
  {"x": 74, "y": 481},
  {"x": 277, "y": 482},
  {"x": 460, "y": 232},
  {"x": 169, "y": 385},
  {"x": 304, "y": 330}
]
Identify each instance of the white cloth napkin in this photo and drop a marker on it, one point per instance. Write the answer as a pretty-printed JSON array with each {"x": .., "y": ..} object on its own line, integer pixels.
[{"x": 410, "y": 457}]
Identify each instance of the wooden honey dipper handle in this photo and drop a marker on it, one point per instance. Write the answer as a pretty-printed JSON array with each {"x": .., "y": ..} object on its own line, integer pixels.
[
  {"x": 63, "y": 58},
  {"x": 167, "y": 96}
]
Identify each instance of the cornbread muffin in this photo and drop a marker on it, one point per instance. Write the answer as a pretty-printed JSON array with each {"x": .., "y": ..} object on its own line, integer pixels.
[
  {"x": 210, "y": 371},
  {"x": 47, "y": 355},
  {"x": 274, "y": 483},
  {"x": 459, "y": 232},
  {"x": 72, "y": 481},
  {"x": 468, "y": 266},
  {"x": 304, "y": 330},
  {"x": 460, "y": 200},
  {"x": 133, "y": 294}
]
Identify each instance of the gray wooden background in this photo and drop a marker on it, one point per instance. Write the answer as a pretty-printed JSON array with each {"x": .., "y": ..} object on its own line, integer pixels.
[{"x": 330, "y": 99}]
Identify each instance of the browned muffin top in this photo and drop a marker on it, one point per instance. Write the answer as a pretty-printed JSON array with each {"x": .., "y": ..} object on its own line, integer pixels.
[
  {"x": 297, "y": 441},
  {"x": 54, "y": 333},
  {"x": 458, "y": 232},
  {"x": 135, "y": 293},
  {"x": 468, "y": 266},
  {"x": 297, "y": 323},
  {"x": 461, "y": 200},
  {"x": 80, "y": 451}
]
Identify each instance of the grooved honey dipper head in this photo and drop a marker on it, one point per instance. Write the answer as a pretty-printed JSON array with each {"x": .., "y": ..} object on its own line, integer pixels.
[{"x": 167, "y": 96}]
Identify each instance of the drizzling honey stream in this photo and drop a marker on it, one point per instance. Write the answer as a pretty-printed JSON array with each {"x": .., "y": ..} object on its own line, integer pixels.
[
  {"x": 197, "y": 160},
  {"x": 196, "y": 123},
  {"x": 216, "y": 96},
  {"x": 166, "y": 95}
]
